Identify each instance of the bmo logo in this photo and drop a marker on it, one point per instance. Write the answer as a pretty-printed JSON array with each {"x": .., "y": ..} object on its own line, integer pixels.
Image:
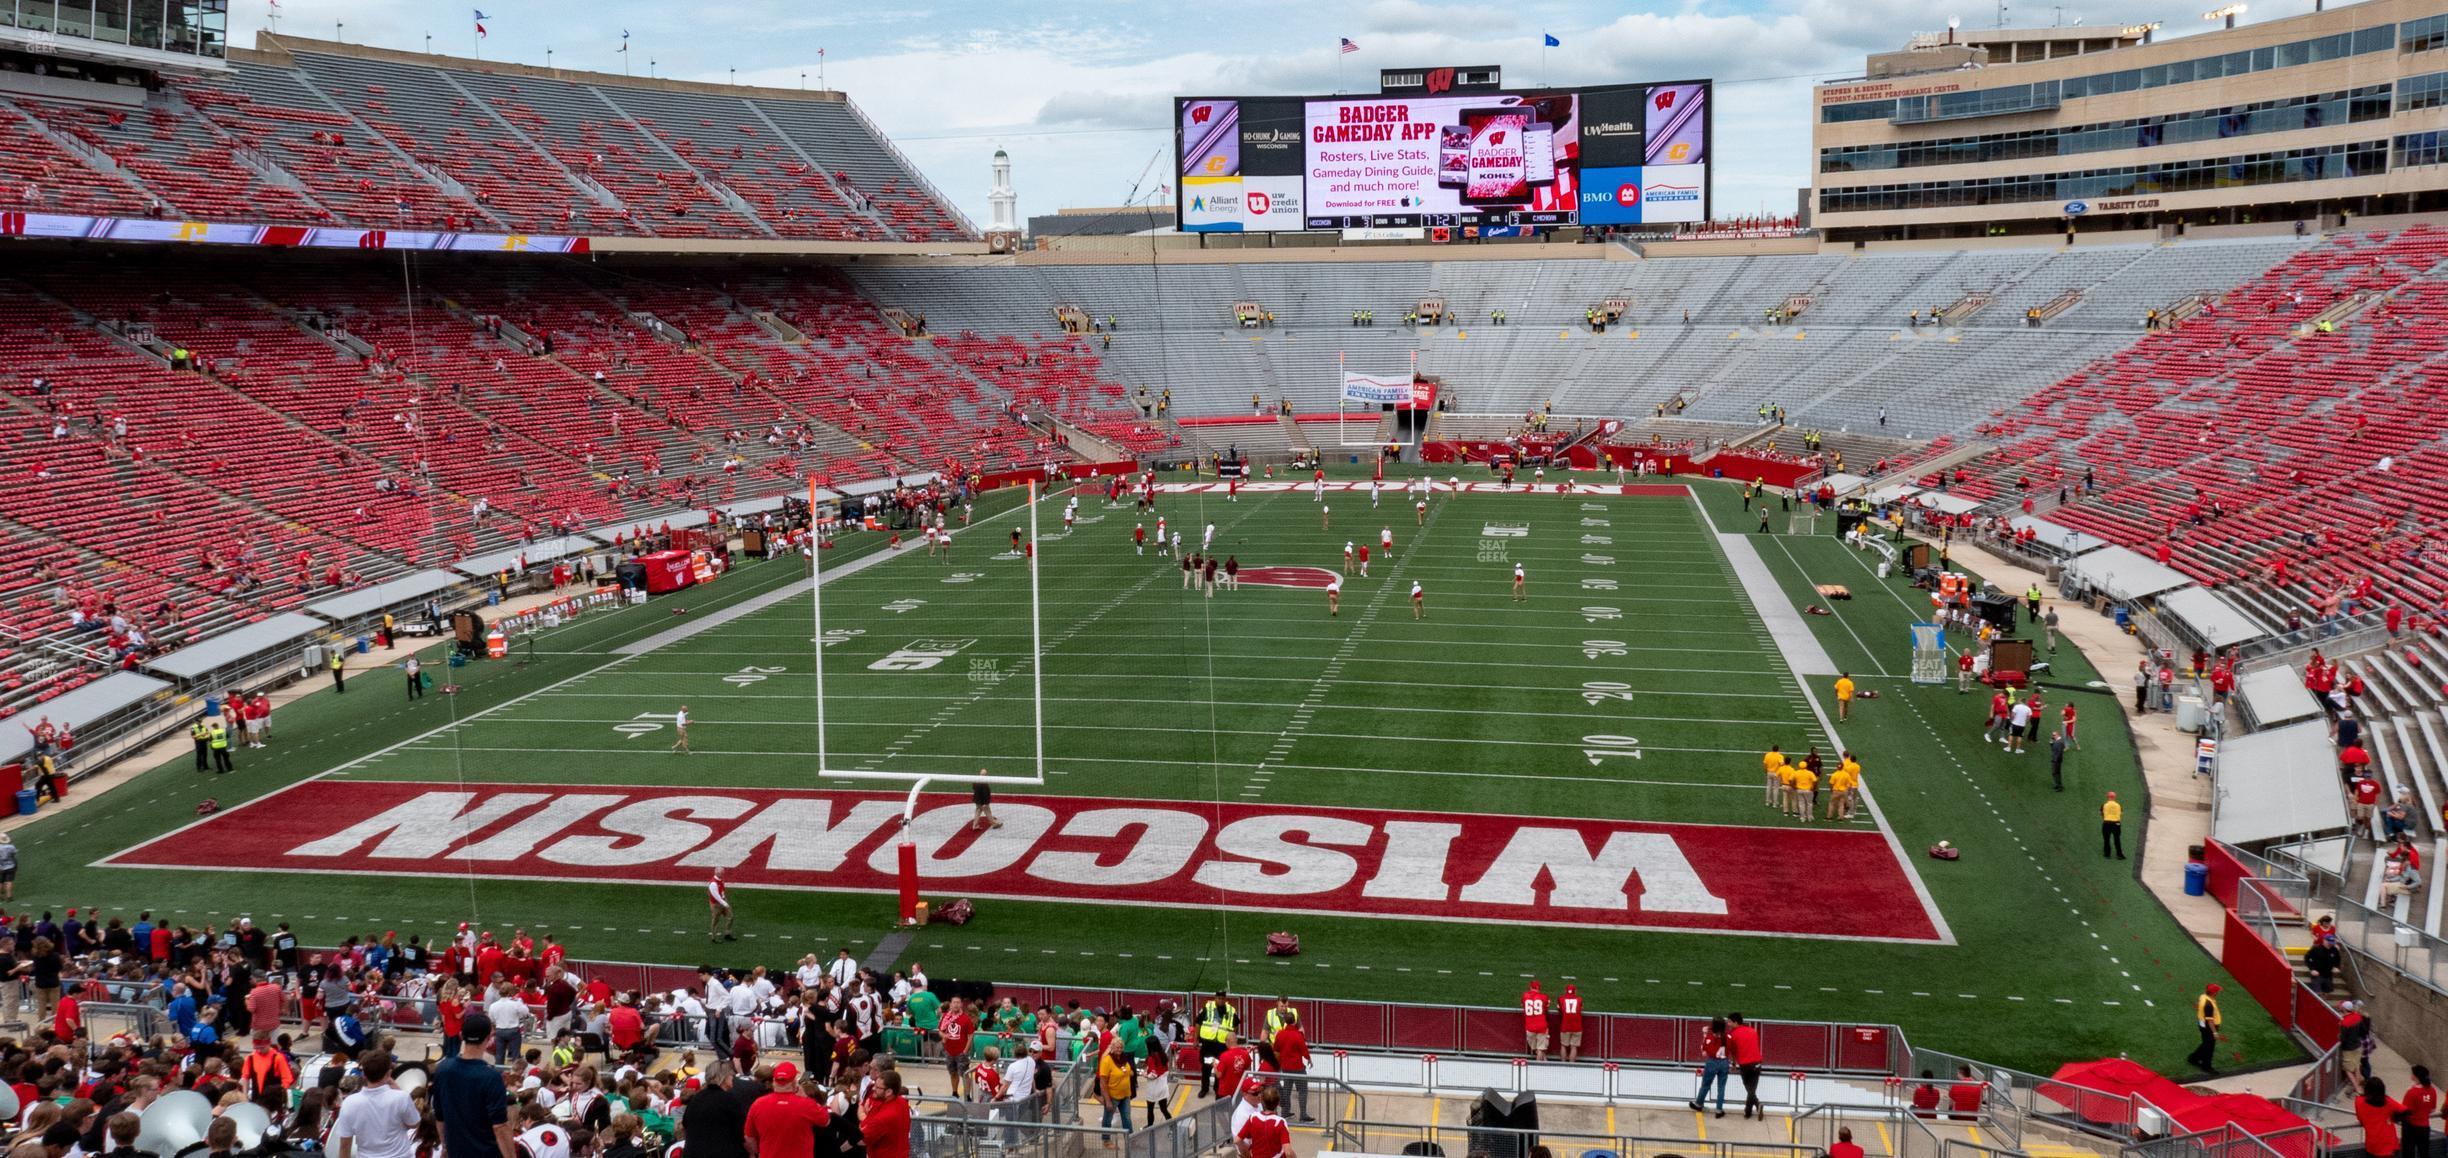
[{"x": 1613, "y": 195}]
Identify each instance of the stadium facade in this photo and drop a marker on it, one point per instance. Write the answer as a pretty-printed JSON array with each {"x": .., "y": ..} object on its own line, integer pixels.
[{"x": 2330, "y": 114}]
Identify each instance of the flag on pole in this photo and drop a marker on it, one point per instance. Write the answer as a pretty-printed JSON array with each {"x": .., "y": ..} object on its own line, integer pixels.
[
  {"x": 1348, "y": 46},
  {"x": 624, "y": 40},
  {"x": 1551, "y": 41},
  {"x": 480, "y": 19}
]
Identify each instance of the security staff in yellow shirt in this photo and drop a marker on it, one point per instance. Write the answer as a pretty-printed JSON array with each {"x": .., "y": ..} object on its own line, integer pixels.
[
  {"x": 216, "y": 734},
  {"x": 2112, "y": 829},
  {"x": 1843, "y": 784},
  {"x": 1803, "y": 782},
  {"x": 1844, "y": 696},
  {"x": 2206, "y": 1019},
  {"x": 203, "y": 745},
  {"x": 1773, "y": 763}
]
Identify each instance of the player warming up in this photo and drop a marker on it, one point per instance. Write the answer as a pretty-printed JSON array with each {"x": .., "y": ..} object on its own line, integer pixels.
[
  {"x": 680, "y": 722},
  {"x": 1521, "y": 582},
  {"x": 718, "y": 899},
  {"x": 1347, "y": 556},
  {"x": 1364, "y": 560},
  {"x": 1070, "y": 512},
  {"x": 1334, "y": 597},
  {"x": 1385, "y": 542},
  {"x": 1419, "y": 601},
  {"x": 1139, "y": 537}
]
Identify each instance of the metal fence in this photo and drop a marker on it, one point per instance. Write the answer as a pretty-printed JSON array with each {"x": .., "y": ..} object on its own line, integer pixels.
[
  {"x": 1909, "y": 1136},
  {"x": 2402, "y": 947},
  {"x": 1491, "y": 1142}
]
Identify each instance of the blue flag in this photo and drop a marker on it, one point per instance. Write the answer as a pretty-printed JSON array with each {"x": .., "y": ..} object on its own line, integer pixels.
[{"x": 1552, "y": 42}]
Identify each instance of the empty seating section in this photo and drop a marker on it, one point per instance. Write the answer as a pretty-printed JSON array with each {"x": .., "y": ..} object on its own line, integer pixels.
[
  {"x": 591, "y": 139},
  {"x": 2317, "y": 446},
  {"x": 449, "y": 133},
  {"x": 1695, "y": 329},
  {"x": 179, "y": 159},
  {"x": 334, "y": 139},
  {"x": 38, "y": 175},
  {"x": 342, "y": 164},
  {"x": 864, "y": 167},
  {"x": 725, "y": 139}
]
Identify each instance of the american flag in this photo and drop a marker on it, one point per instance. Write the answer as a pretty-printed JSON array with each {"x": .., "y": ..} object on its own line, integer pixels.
[{"x": 1348, "y": 46}]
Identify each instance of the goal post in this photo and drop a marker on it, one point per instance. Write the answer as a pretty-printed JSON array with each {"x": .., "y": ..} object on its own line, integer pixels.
[
  {"x": 1036, "y": 778},
  {"x": 1803, "y": 522},
  {"x": 916, "y": 780}
]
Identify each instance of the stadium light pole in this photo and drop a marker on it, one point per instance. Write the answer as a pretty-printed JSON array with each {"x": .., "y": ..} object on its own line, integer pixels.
[
  {"x": 429, "y": 44},
  {"x": 337, "y": 27}
]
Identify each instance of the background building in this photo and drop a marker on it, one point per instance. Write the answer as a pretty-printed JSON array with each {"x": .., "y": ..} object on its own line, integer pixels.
[{"x": 2031, "y": 131}]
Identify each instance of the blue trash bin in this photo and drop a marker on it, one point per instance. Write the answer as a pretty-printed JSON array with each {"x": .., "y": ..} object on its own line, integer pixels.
[
  {"x": 25, "y": 802},
  {"x": 364, "y": 644},
  {"x": 2197, "y": 879},
  {"x": 2124, "y": 619}
]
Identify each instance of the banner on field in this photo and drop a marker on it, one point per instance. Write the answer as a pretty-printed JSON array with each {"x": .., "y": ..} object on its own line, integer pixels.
[{"x": 1376, "y": 390}]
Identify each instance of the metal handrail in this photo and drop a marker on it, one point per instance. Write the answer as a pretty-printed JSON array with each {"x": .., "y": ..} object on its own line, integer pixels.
[{"x": 1506, "y": 1142}]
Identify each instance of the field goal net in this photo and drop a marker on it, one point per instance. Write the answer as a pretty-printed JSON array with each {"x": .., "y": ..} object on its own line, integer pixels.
[
  {"x": 1802, "y": 523},
  {"x": 1929, "y": 654}
]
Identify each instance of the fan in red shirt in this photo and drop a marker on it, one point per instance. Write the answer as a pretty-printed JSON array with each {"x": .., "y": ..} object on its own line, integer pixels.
[
  {"x": 957, "y": 1028},
  {"x": 1292, "y": 1057},
  {"x": 783, "y": 1123},
  {"x": 1568, "y": 1022},
  {"x": 2378, "y": 1113},
  {"x": 1265, "y": 1135},
  {"x": 1845, "y": 1146},
  {"x": 1231, "y": 1066},
  {"x": 1747, "y": 1059},
  {"x": 1534, "y": 1020}
]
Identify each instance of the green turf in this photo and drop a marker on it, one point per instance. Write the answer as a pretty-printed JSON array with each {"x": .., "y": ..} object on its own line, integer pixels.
[{"x": 1152, "y": 691}]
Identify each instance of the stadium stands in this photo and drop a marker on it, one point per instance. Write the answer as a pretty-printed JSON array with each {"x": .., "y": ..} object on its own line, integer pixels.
[
  {"x": 325, "y": 134},
  {"x": 1696, "y": 327}
]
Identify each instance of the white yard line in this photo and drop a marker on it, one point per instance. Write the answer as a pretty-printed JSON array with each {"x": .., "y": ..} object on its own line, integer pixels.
[{"x": 1912, "y": 871}]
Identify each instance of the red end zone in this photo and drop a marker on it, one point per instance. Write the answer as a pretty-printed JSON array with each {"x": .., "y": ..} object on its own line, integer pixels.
[{"x": 1330, "y": 861}]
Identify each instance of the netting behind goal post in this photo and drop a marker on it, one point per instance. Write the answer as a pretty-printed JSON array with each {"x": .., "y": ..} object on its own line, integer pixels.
[
  {"x": 1805, "y": 522},
  {"x": 1929, "y": 653}
]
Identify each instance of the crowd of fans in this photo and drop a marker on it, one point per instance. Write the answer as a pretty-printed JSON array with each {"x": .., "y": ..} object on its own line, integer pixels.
[{"x": 548, "y": 1061}]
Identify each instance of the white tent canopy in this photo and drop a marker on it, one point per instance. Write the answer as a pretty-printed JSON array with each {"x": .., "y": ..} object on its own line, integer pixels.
[
  {"x": 2056, "y": 536},
  {"x": 2123, "y": 574},
  {"x": 2277, "y": 696},
  {"x": 2278, "y": 783},
  {"x": 2211, "y": 618}
]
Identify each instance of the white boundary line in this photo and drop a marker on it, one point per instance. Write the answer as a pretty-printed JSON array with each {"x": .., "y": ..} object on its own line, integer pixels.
[{"x": 1912, "y": 872}]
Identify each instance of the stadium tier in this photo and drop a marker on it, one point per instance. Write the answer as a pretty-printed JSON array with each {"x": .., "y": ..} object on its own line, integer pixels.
[{"x": 303, "y": 132}]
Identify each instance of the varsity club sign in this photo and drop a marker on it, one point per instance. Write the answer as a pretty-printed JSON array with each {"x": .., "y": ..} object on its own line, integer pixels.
[{"x": 1836, "y": 883}]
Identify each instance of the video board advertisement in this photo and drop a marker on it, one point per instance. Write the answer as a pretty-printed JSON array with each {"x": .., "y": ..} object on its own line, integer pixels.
[{"x": 1276, "y": 164}]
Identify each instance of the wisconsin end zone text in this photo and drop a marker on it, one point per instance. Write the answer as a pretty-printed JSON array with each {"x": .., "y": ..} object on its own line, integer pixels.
[{"x": 1329, "y": 861}]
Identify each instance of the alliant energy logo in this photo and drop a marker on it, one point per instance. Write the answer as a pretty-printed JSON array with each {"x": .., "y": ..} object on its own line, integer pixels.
[{"x": 1844, "y": 883}]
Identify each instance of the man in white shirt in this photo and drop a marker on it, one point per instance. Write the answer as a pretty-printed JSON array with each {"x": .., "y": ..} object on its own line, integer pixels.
[
  {"x": 378, "y": 1121},
  {"x": 844, "y": 969},
  {"x": 510, "y": 1018},
  {"x": 2018, "y": 719}
]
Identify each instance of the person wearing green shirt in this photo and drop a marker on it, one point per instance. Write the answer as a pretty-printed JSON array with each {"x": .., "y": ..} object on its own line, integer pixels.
[
  {"x": 1132, "y": 1033},
  {"x": 925, "y": 1010}
]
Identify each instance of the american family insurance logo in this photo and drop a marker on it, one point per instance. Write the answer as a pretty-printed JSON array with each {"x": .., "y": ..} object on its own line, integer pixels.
[{"x": 1329, "y": 861}]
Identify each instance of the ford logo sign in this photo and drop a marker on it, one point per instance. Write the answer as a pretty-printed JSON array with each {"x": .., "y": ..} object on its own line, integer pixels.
[{"x": 2076, "y": 208}]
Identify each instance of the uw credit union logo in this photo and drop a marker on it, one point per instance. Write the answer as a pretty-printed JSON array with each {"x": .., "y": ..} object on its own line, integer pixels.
[{"x": 1257, "y": 203}]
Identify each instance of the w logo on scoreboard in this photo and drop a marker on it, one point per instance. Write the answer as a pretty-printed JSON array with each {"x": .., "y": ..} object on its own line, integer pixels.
[{"x": 1439, "y": 80}]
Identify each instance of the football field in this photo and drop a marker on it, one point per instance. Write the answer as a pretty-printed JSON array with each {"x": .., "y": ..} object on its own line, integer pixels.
[{"x": 1440, "y": 800}]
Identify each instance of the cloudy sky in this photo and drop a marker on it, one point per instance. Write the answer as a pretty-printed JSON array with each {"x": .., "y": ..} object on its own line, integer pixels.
[{"x": 1079, "y": 91}]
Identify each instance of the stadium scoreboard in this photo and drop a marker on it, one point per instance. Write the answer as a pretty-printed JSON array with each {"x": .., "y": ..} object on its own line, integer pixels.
[{"x": 1444, "y": 148}]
